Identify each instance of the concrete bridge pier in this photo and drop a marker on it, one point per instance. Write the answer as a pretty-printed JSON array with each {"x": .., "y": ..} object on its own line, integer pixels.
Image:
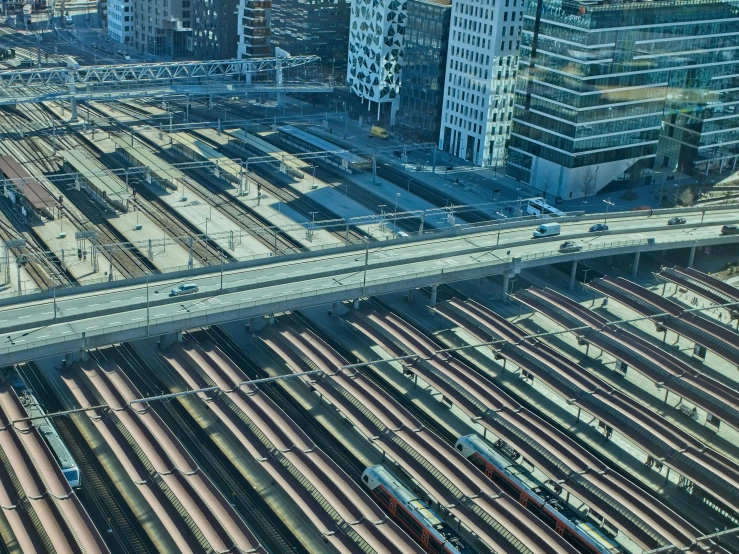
[
  {"x": 635, "y": 269},
  {"x": 434, "y": 290},
  {"x": 573, "y": 274},
  {"x": 78, "y": 356},
  {"x": 255, "y": 324},
  {"x": 271, "y": 318},
  {"x": 547, "y": 270},
  {"x": 409, "y": 296},
  {"x": 506, "y": 285},
  {"x": 691, "y": 259},
  {"x": 165, "y": 341},
  {"x": 355, "y": 304}
]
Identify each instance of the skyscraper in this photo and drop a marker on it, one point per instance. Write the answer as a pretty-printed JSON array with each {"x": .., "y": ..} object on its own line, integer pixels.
[
  {"x": 317, "y": 27},
  {"x": 376, "y": 51},
  {"x": 423, "y": 73},
  {"x": 254, "y": 28},
  {"x": 162, "y": 27},
  {"x": 481, "y": 70},
  {"x": 214, "y": 25},
  {"x": 609, "y": 91}
]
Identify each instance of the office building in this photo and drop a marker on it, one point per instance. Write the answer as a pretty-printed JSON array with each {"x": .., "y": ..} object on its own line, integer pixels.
[
  {"x": 318, "y": 27},
  {"x": 102, "y": 9},
  {"x": 162, "y": 27},
  {"x": 376, "y": 54},
  {"x": 120, "y": 20},
  {"x": 480, "y": 76},
  {"x": 254, "y": 28},
  {"x": 214, "y": 25},
  {"x": 609, "y": 92},
  {"x": 422, "y": 88}
]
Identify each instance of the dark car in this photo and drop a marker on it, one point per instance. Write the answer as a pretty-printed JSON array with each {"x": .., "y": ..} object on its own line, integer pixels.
[
  {"x": 569, "y": 246},
  {"x": 598, "y": 227},
  {"x": 730, "y": 230},
  {"x": 677, "y": 221}
]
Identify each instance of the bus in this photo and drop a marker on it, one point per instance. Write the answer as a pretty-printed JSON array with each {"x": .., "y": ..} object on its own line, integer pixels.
[{"x": 539, "y": 208}]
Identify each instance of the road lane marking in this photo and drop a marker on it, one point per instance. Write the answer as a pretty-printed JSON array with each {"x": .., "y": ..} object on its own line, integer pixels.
[{"x": 93, "y": 327}]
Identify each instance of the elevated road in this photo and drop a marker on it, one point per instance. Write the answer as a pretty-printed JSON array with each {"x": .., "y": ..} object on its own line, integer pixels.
[{"x": 97, "y": 315}]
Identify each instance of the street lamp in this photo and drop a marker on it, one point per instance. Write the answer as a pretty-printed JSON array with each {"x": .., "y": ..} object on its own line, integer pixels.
[
  {"x": 54, "y": 281},
  {"x": 608, "y": 204},
  {"x": 366, "y": 260},
  {"x": 395, "y": 214}
]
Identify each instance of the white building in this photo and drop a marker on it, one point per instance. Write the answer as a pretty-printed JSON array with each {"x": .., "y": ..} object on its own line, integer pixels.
[
  {"x": 120, "y": 20},
  {"x": 484, "y": 40},
  {"x": 376, "y": 35}
]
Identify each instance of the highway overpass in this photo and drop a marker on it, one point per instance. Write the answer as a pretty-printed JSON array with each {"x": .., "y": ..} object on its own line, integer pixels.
[{"x": 96, "y": 315}]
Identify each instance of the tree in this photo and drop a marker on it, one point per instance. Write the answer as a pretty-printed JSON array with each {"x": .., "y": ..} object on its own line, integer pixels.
[
  {"x": 587, "y": 186},
  {"x": 546, "y": 184}
]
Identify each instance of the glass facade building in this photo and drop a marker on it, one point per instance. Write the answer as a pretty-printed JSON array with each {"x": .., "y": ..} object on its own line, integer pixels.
[
  {"x": 422, "y": 79},
  {"x": 214, "y": 29},
  {"x": 609, "y": 90},
  {"x": 317, "y": 27}
]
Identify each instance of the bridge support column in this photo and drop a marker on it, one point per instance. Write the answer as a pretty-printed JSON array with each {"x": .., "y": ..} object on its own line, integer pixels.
[
  {"x": 271, "y": 318},
  {"x": 255, "y": 324},
  {"x": 434, "y": 290},
  {"x": 73, "y": 108},
  {"x": 691, "y": 259},
  {"x": 573, "y": 273},
  {"x": 356, "y": 304},
  {"x": 609, "y": 260},
  {"x": 409, "y": 295},
  {"x": 506, "y": 285},
  {"x": 334, "y": 309},
  {"x": 165, "y": 341},
  {"x": 547, "y": 270},
  {"x": 635, "y": 269}
]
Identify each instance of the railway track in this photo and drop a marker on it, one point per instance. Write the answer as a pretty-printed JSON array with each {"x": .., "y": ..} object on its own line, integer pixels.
[
  {"x": 109, "y": 511},
  {"x": 196, "y": 440},
  {"x": 208, "y": 188}
]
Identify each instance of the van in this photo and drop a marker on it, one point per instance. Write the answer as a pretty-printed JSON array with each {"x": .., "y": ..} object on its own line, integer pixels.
[
  {"x": 547, "y": 230},
  {"x": 68, "y": 21},
  {"x": 379, "y": 132},
  {"x": 730, "y": 230},
  {"x": 186, "y": 288}
]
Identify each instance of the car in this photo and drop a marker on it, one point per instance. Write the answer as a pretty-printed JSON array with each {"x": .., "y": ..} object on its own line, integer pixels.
[
  {"x": 185, "y": 288},
  {"x": 677, "y": 221},
  {"x": 598, "y": 227},
  {"x": 730, "y": 230},
  {"x": 569, "y": 246},
  {"x": 402, "y": 234}
]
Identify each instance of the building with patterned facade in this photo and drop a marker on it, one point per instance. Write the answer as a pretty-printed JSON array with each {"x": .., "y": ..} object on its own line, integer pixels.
[
  {"x": 162, "y": 27},
  {"x": 375, "y": 56},
  {"x": 481, "y": 70},
  {"x": 422, "y": 88},
  {"x": 317, "y": 27},
  {"x": 610, "y": 91}
]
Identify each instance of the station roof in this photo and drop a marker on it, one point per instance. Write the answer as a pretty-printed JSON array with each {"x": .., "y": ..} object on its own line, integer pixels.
[
  {"x": 114, "y": 188},
  {"x": 33, "y": 191},
  {"x": 321, "y": 145}
]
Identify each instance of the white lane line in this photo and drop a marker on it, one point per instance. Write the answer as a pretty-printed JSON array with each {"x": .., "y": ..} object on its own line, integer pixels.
[
  {"x": 114, "y": 323},
  {"x": 24, "y": 316},
  {"x": 137, "y": 319},
  {"x": 93, "y": 327},
  {"x": 42, "y": 337}
]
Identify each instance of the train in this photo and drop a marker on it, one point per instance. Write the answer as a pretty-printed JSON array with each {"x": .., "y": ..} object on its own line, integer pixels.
[
  {"x": 60, "y": 451},
  {"x": 413, "y": 514},
  {"x": 501, "y": 463}
]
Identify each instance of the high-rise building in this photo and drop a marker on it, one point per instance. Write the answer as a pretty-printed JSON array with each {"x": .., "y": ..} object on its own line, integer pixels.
[
  {"x": 376, "y": 52},
  {"x": 480, "y": 75},
  {"x": 422, "y": 90},
  {"x": 120, "y": 20},
  {"x": 609, "y": 91},
  {"x": 103, "y": 13},
  {"x": 162, "y": 27},
  {"x": 318, "y": 27},
  {"x": 214, "y": 24},
  {"x": 254, "y": 28}
]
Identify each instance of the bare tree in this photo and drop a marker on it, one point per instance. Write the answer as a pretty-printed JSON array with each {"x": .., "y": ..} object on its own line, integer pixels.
[
  {"x": 546, "y": 184},
  {"x": 587, "y": 186}
]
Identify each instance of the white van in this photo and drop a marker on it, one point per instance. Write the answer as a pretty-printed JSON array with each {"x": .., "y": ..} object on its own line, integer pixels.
[
  {"x": 186, "y": 288},
  {"x": 546, "y": 230}
]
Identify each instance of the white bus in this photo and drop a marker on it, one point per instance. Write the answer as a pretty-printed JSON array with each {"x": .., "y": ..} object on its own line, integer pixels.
[{"x": 539, "y": 208}]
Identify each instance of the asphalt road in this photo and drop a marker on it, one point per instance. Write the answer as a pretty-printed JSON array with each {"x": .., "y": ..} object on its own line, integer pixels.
[{"x": 321, "y": 273}]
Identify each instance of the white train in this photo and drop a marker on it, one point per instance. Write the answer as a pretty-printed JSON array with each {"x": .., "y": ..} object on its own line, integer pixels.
[
  {"x": 412, "y": 513},
  {"x": 499, "y": 463}
]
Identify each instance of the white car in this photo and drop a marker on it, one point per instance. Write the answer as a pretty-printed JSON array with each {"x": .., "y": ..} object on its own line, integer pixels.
[
  {"x": 402, "y": 234},
  {"x": 186, "y": 288}
]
